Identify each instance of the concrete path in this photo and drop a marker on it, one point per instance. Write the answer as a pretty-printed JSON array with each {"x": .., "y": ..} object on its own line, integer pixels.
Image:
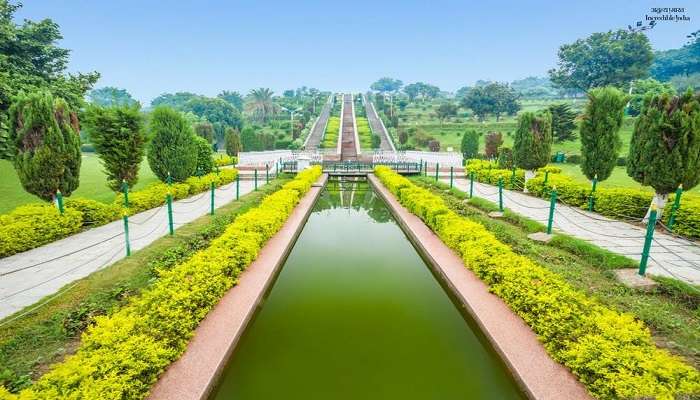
[
  {"x": 319, "y": 128},
  {"x": 378, "y": 126},
  {"x": 28, "y": 277},
  {"x": 348, "y": 149},
  {"x": 669, "y": 256}
]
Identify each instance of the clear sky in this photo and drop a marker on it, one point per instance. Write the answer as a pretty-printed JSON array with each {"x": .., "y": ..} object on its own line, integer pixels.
[{"x": 150, "y": 47}]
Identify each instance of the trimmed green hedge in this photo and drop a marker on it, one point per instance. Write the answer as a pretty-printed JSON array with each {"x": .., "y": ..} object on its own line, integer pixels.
[
  {"x": 330, "y": 138},
  {"x": 34, "y": 225},
  {"x": 123, "y": 354},
  {"x": 620, "y": 203},
  {"x": 611, "y": 353},
  {"x": 223, "y": 160}
]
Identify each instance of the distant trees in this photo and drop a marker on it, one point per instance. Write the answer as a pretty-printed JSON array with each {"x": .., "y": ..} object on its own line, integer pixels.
[
  {"x": 176, "y": 100},
  {"x": 386, "y": 84},
  {"x": 110, "y": 96},
  {"x": 403, "y": 136},
  {"x": 534, "y": 87},
  {"x": 601, "y": 122},
  {"x": 434, "y": 145},
  {"x": 665, "y": 145},
  {"x": 260, "y": 105},
  {"x": 218, "y": 112},
  {"x": 678, "y": 62},
  {"x": 250, "y": 140},
  {"x": 421, "y": 89},
  {"x": 610, "y": 58},
  {"x": 172, "y": 149},
  {"x": 446, "y": 110},
  {"x": 563, "y": 122},
  {"x": 470, "y": 144},
  {"x": 204, "y": 130},
  {"x": 44, "y": 131},
  {"x": 533, "y": 141},
  {"x": 646, "y": 87},
  {"x": 118, "y": 135},
  {"x": 494, "y": 98},
  {"x": 233, "y": 142},
  {"x": 233, "y": 98},
  {"x": 493, "y": 141}
]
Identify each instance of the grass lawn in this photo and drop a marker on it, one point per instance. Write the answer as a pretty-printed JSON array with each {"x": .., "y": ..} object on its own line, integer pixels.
[
  {"x": 619, "y": 178},
  {"x": 93, "y": 183}
]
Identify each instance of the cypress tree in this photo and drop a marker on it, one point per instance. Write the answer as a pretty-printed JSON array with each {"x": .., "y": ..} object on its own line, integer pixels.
[
  {"x": 600, "y": 142},
  {"x": 6, "y": 147},
  {"x": 44, "y": 133},
  {"x": 172, "y": 149},
  {"x": 233, "y": 142},
  {"x": 250, "y": 140},
  {"x": 470, "y": 144},
  {"x": 118, "y": 135},
  {"x": 205, "y": 130},
  {"x": 533, "y": 141},
  {"x": 665, "y": 146},
  {"x": 205, "y": 162},
  {"x": 563, "y": 124}
]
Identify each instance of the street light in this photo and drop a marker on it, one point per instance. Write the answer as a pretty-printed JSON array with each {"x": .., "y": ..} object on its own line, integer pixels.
[{"x": 291, "y": 114}]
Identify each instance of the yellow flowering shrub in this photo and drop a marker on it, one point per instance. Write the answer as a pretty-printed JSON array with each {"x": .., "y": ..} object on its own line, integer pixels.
[
  {"x": 33, "y": 225},
  {"x": 611, "y": 353}
]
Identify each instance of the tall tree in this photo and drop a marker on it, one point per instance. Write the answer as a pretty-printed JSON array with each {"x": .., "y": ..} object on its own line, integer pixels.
[
  {"x": 678, "y": 62},
  {"x": 610, "y": 58},
  {"x": 493, "y": 142},
  {"x": 260, "y": 104},
  {"x": 665, "y": 146},
  {"x": 233, "y": 142},
  {"x": 470, "y": 144},
  {"x": 110, "y": 96},
  {"x": 563, "y": 122},
  {"x": 494, "y": 98},
  {"x": 172, "y": 149},
  {"x": 217, "y": 111},
  {"x": 386, "y": 84},
  {"x": 204, "y": 130},
  {"x": 646, "y": 87},
  {"x": 233, "y": 98},
  {"x": 601, "y": 122},
  {"x": 251, "y": 140},
  {"x": 205, "y": 161},
  {"x": 445, "y": 111},
  {"x": 117, "y": 132},
  {"x": 176, "y": 100},
  {"x": 44, "y": 132},
  {"x": 533, "y": 141}
]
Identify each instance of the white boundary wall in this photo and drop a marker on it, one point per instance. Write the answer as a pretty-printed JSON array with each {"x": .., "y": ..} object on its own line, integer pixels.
[
  {"x": 262, "y": 157},
  {"x": 447, "y": 159}
]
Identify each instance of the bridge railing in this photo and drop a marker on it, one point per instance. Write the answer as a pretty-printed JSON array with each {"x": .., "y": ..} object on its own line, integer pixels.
[{"x": 356, "y": 167}]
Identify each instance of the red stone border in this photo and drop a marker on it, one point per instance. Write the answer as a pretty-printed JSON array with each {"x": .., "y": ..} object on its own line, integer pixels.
[
  {"x": 196, "y": 373},
  {"x": 538, "y": 375}
]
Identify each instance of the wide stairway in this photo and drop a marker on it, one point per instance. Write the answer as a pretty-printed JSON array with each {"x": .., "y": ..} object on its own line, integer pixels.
[{"x": 348, "y": 149}]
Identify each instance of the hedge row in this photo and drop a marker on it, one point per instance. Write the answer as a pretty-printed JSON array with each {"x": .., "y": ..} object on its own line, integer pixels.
[
  {"x": 224, "y": 160},
  {"x": 330, "y": 138},
  {"x": 621, "y": 203},
  {"x": 123, "y": 354},
  {"x": 33, "y": 225},
  {"x": 364, "y": 133},
  {"x": 611, "y": 353}
]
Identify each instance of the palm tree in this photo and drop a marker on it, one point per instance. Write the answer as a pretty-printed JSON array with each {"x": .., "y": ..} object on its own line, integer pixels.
[{"x": 259, "y": 104}]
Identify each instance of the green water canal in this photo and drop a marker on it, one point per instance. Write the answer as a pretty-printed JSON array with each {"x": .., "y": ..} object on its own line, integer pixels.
[{"x": 355, "y": 313}]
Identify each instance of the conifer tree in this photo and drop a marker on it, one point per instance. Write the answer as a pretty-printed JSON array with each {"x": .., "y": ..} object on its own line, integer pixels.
[
  {"x": 533, "y": 142},
  {"x": 470, "y": 144},
  {"x": 233, "y": 142},
  {"x": 205, "y": 162},
  {"x": 44, "y": 133},
  {"x": 172, "y": 149},
  {"x": 665, "y": 146},
  {"x": 563, "y": 122}
]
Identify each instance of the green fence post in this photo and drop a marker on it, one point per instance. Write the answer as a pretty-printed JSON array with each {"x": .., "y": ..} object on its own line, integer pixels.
[
  {"x": 452, "y": 170},
  {"x": 437, "y": 171},
  {"x": 169, "y": 200},
  {"x": 212, "y": 198},
  {"x": 676, "y": 205},
  {"x": 256, "y": 179},
  {"x": 471, "y": 184},
  {"x": 59, "y": 201},
  {"x": 125, "y": 190},
  {"x": 125, "y": 218},
  {"x": 591, "y": 198},
  {"x": 552, "y": 204},
  {"x": 420, "y": 171},
  {"x": 500, "y": 194},
  {"x": 647, "y": 242},
  {"x": 267, "y": 173},
  {"x": 277, "y": 168},
  {"x": 238, "y": 186},
  {"x": 512, "y": 180},
  {"x": 169, "y": 179}
]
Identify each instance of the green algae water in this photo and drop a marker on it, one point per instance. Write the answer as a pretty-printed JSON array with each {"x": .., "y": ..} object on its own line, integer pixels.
[{"x": 355, "y": 313}]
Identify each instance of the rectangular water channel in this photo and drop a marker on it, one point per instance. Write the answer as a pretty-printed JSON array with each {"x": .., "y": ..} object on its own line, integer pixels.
[{"x": 355, "y": 313}]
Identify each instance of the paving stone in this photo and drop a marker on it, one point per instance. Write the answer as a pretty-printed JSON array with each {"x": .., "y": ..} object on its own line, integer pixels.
[
  {"x": 631, "y": 278},
  {"x": 540, "y": 237}
]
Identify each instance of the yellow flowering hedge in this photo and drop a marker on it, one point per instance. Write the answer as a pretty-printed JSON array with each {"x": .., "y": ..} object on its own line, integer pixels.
[
  {"x": 123, "y": 354},
  {"x": 34, "y": 225},
  {"x": 224, "y": 159},
  {"x": 611, "y": 353}
]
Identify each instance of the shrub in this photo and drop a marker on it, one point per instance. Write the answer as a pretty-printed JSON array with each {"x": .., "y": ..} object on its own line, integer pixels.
[
  {"x": 44, "y": 132},
  {"x": 505, "y": 158},
  {"x": 434, "y": 145},
  {"x": 600, "y": 142},
  {"x": 87, "y": 148},
  {"x": 223, "y": 160},
  {"x": 533, "y": 140},
  {"x": 611, "y": 353},
  {"x": 94, "y": 213},
  {"x": 118, "y": 136},
  {"x": 233, "y": 142},
  {"x": 33, "y": 225},
  {"x": 204, "y": 130},
  {"x": 621, "y": 161},
  {"x": 172, "y": 149},
  {"x": 330, "y": 138},
  {"x": 205, "y": 162},
  {"x": 122, "y": 354},
  {"x": 573, "y": 159},
  {"x": 494, "y": 140},
  {"x": 470, "y": 144}
]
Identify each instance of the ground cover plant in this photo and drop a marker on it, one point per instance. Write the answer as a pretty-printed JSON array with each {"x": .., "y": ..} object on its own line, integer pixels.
[
  {"x": 122, "y": 354},
  {"x": 364, "y": 133},
  {"x": 330, "y": 138},
  {"x": 611, "y": 353},
  {"x": 42, "y": 334}
]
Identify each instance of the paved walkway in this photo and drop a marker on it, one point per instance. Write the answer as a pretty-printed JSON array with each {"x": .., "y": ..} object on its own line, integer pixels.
[
  {"x": 348, "y": 148},
  {"x": 316, "y": 134},
  {"x": 377, "y": 126},
  {"x": 669, "y": 256},
  {"x": 28, "y": 277}
]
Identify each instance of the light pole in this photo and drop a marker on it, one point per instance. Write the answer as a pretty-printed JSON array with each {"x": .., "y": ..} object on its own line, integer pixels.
[{"x": 291, "y": 123}]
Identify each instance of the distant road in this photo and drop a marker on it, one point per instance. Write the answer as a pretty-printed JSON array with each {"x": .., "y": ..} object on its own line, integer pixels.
[
  {"x": 377, "y": 127},
  {"x": 316, "y": 134}
]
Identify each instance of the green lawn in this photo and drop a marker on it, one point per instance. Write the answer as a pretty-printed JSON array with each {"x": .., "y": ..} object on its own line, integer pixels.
[{"x": 93, "y": 184}]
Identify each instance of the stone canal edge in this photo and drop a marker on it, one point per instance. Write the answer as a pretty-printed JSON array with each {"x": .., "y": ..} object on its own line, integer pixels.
[
  {"x": 195, "y": 375},
  {"x": 537, "y": 374}
]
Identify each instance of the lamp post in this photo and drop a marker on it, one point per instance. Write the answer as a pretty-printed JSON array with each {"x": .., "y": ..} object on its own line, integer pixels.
[{"x": 291, "y": 114}]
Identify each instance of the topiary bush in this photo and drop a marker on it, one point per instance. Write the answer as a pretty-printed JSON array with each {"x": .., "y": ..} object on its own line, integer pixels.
[
  {"x": 533, "y": 140},
  {"x": 172, "y": 149}
]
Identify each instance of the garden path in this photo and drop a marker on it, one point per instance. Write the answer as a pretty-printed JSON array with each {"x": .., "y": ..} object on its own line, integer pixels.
[{"x": 377, "y": 126}]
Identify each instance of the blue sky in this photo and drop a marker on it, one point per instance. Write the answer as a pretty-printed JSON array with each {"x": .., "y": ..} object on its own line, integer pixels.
[{"x": 152, "y": 47}]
